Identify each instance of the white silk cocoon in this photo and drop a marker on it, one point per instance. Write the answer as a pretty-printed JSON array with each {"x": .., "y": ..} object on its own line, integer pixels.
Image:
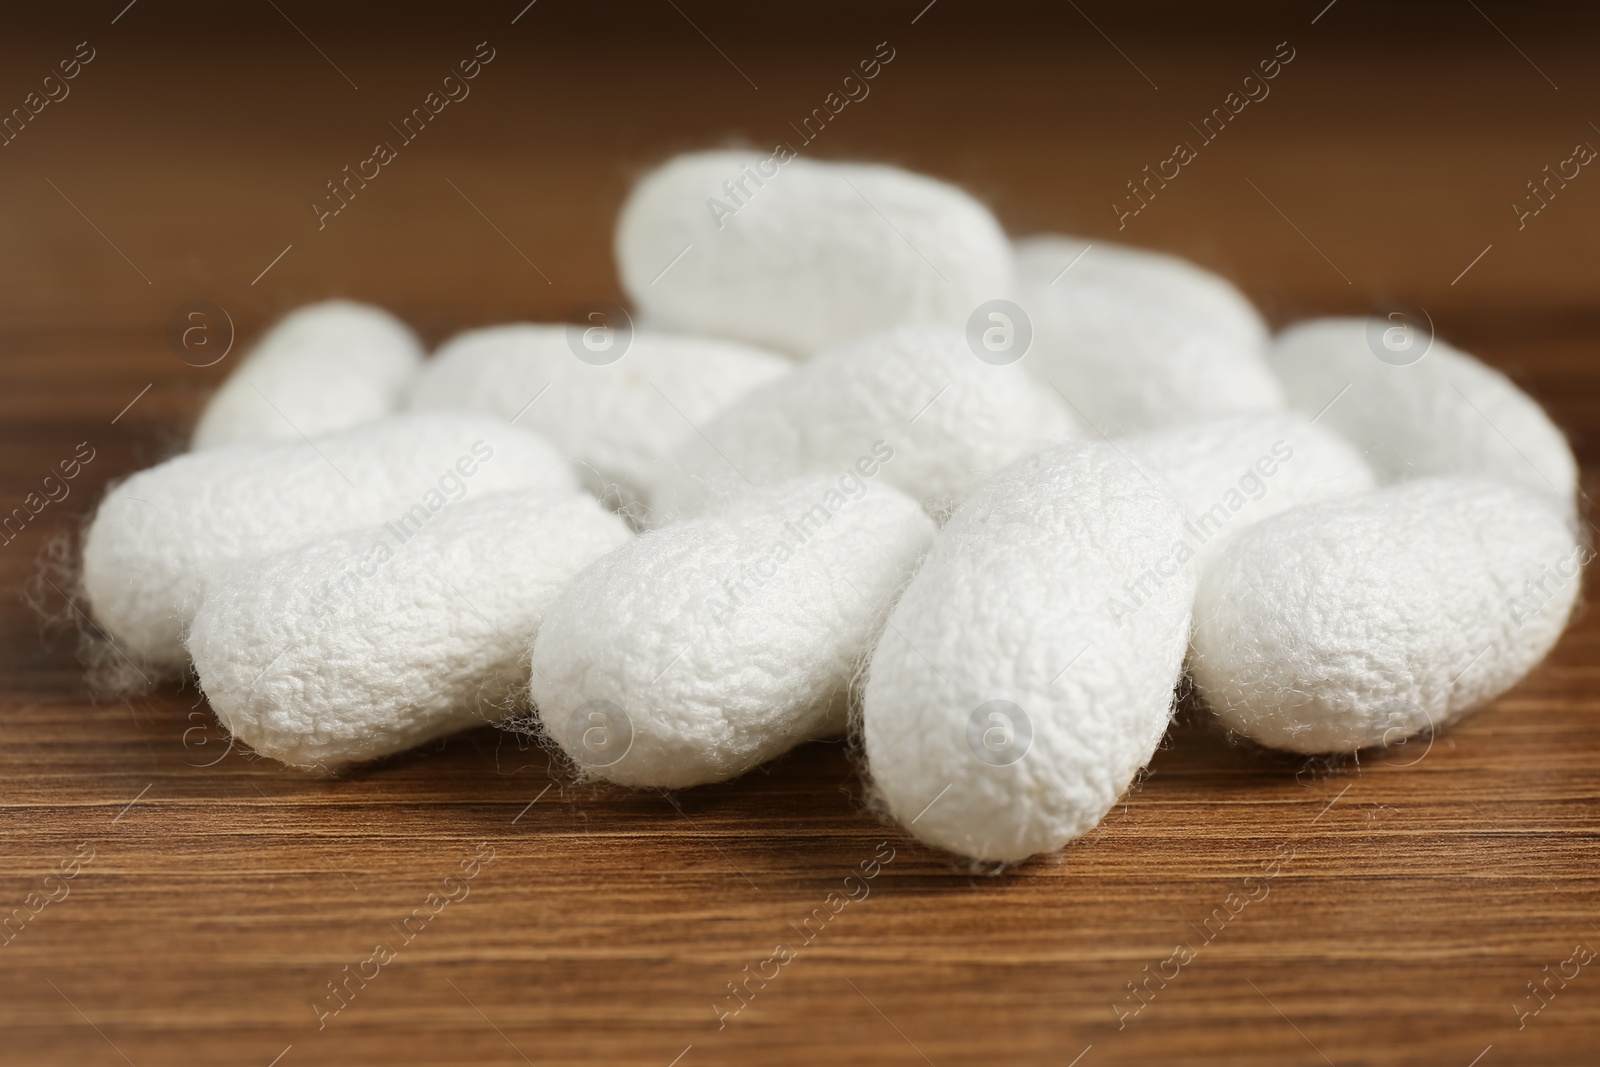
[
  {"x": 706, "y": 647},
  {"x": 1361, "y": 622},
  {"x": 935, "y": 416},
  {"x": 618, "y": 421},
  {"x": 1009, "y": 705},
  {"x": 362, "y": 644},
  {"x": 813, "y": 254},
  {"x": 160, "y": 536},
  {"x": 322, "y": 368},
  {"x": 1445, "y": 414},
  {"x": 1139, "y": 340},
  {"x": 1232, "y": 473}
]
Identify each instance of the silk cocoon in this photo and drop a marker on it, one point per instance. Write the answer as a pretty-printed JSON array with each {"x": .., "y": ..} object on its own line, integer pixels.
[
  {"x": 1008, "y": 706},
  {"x": 1360, "y": 622},
  {"x": 160, "y": 536},
  {"x": 321, "y": 368},
  {"x": 706, "y": 647},
  {"x": 812, "y": 255},
  {"x": 361, "y": 644}
]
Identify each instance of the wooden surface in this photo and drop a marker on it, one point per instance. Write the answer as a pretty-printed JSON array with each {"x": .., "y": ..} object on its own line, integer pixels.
[{"x": 1427, "y": 886}]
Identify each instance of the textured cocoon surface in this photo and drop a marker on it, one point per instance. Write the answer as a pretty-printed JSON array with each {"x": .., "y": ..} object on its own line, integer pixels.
[
  {"x": 363, "y": 644},
  {"x": 1359, "y": 622},
  {"x": 940, "y": 417},
  {"x": 1009, "y": 704},
  {"x": 705, "y": 647},
  {"x": 322, "y": 368},
  {"x": 159, "y": 536},
  {"x": 1138, "y": 339},
  {"x": 818, "y": 254},
  {"x": 1232, "y": 473},
  {"x": 621, "y": 419},
  {"x": 1446, "y": 413}
]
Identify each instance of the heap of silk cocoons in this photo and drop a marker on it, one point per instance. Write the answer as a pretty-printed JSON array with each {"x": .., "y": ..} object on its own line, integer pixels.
[
  {"x": 1350, "y": 534},
  {"x": 1008, "y": 706},
  {"x": 618, "y": 416},
  {"x": 1137, "y": 339},
  {"x": 1231, "y": 473},
  {"x": 1437, "y": 413},
  {"x": 916, "y": 397},
  {"x": 1351, "y": 623},
  {"x": 799, "y": 255},
  {"x": 159, "y": 537},
  {"x": 370, "y": 642},
  {"x": 322, "y": 368},
  {"x": 704, "y": 648}
]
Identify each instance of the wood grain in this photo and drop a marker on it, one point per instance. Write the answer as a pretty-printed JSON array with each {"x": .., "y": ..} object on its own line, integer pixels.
[{"x": 1427, "y": 886}]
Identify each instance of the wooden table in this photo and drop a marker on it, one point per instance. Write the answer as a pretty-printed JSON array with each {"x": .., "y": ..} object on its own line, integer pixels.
[{"x": 1426, "y": 887}]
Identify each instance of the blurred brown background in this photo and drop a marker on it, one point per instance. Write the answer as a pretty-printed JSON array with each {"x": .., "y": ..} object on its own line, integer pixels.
[{"x": 1421, "y": 900}]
